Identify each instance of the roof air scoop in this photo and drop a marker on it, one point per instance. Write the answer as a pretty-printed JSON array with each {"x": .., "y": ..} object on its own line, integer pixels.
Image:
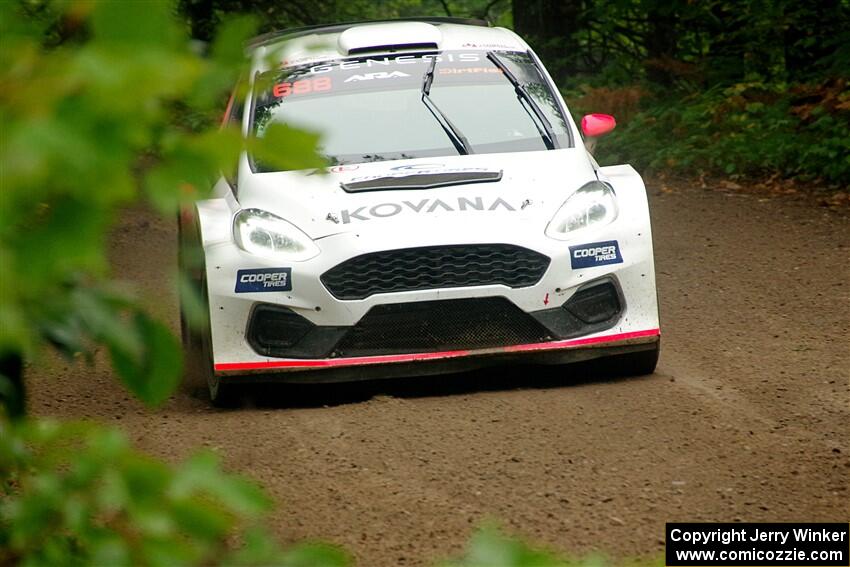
[{"x": 389, "y": 37}]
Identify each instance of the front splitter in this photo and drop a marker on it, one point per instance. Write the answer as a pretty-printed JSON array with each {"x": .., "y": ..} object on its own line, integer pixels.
[{"x": 428, "y": 363}]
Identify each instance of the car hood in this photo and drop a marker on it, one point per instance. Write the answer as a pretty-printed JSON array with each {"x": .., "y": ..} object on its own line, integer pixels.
[{"x": 463, "y": 191}]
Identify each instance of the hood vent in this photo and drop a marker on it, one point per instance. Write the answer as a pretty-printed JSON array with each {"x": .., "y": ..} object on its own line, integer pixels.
[{"x": 422, "y": 181}]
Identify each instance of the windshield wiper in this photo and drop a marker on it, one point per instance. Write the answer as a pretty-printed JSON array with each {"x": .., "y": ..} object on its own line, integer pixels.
[
  {"x": 547, "y": 133},
  {"x": 459, "y": 141}
]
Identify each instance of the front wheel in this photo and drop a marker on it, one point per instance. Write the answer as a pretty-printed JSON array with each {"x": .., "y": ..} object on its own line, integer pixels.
[
  {"x": 197, "y": 338},
  {"x": 223, "y": 394},
  {"x": 198, "y": 347},
  {"x": 639, "y": 363}
]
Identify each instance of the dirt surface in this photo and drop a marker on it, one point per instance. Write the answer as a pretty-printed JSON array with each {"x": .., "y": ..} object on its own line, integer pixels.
[{"x": 747, "y": 417}]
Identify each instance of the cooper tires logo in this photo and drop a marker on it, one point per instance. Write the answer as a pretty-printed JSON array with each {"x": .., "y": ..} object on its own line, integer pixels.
[{"x": 264, "y": 279}]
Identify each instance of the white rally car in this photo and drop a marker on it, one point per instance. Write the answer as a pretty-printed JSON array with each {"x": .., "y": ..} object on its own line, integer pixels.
[{"x": 461, "y": 221}]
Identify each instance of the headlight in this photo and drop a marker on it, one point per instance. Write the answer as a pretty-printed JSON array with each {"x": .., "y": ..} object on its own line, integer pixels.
[
  {"x": 264, "y": 234},
  {"x": 593, "y": 205}
]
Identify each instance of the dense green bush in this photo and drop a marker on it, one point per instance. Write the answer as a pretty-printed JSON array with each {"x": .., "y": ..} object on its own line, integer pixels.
[
  {"x": 747, "y": 87},
  {"x": 751, "y": 129}
]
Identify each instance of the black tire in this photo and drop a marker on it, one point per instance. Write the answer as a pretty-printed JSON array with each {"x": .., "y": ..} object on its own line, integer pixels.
[
  {"x": 640, "y": 363},
  {"x": 197, "y": 341},
  {"x": 186, "y": 251},
  {"x": 223, "y": 394}
]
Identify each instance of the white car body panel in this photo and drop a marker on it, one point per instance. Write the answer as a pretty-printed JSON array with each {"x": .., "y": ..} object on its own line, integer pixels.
[{"x": 514, "y": 210}]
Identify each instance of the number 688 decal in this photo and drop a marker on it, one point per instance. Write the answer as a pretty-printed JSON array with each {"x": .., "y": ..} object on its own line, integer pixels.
[{"x": 302, "y": 86}]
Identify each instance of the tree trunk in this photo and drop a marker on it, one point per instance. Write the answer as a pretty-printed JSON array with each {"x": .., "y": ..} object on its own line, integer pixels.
[
  {"x": 550, "y": 27},
  {"x": 660, "y": 43},
  {"x": 201, "y": 16},
  {"x": 12, "y": 397}
]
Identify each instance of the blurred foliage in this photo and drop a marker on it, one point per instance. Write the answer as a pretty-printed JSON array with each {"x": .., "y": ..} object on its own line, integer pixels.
[
  {"x": 103, "y": 104},
  {"x": 489, "y": 547},
  {"x": 77, "y": 494}
]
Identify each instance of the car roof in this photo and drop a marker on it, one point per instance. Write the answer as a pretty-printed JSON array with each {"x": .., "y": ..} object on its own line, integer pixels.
[{"x": 338, "y": 41}]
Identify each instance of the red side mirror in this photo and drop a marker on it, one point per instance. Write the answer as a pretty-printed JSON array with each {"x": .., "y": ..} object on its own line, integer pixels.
[{"x": 593, "y": 125}]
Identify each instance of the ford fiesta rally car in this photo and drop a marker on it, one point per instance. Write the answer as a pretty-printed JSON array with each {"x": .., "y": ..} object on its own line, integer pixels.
[{"x": 461, "y": 222}]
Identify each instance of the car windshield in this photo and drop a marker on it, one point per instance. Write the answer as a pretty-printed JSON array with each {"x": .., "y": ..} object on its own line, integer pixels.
[{"x": 373, "y": 109}]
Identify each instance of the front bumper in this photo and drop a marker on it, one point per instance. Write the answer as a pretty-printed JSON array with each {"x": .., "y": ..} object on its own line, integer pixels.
[
  {"x": 306, "y": 296},
  {"x": 471, "y": 323},
  {"x": 236, "y": 351}
]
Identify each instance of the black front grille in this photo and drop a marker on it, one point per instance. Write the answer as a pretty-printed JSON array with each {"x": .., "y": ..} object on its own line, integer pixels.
[
  {"x": 435, "y": 267},
  {"x": 452, "y": 324}
]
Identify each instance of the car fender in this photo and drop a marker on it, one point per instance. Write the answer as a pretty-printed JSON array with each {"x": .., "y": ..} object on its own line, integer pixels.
[
  {"x": 629, "y": 188},
  {"x": 214, "y": 216},
  {"x": 632, "y": 197}
]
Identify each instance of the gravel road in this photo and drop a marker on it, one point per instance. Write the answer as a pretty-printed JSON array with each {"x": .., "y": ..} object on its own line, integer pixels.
[{"x": 747, "y": 417}]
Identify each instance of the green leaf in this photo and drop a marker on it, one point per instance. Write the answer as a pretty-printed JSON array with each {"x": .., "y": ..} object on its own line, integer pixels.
[
  {"x": 193, "y": 308},
  {"x": 201, "y": 520},
  {"x": 110, "y": 549},
  {"x": 228, "y": 47},
  {"x": 154, "y": 374},
  {"x": 142, "y": 25},
  {"x": 201, "y": 475},
  {"x": 286, "y": 148},
  {"x": 101, "y": 317},
  {"x": 171, "y": 552},
  {"x": 489, "y": 548},
  {"x": 112, "y": 494}
]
